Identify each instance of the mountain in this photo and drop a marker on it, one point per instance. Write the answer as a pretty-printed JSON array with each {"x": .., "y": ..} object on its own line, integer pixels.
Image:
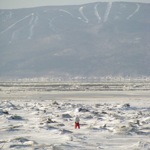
[{"x": 96, "y": 39}]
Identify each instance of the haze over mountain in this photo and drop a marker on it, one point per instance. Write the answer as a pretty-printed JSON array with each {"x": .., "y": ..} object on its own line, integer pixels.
[
  {"x": 96, "y": 39},
  {"x": 13, "y": 4}
]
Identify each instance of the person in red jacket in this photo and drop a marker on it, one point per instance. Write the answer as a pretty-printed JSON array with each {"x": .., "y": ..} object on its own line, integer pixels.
[{"x": 77, "y": 124}]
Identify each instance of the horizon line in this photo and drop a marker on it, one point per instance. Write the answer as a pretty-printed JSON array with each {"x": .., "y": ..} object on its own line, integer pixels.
[{"x": 5, "y": 4}]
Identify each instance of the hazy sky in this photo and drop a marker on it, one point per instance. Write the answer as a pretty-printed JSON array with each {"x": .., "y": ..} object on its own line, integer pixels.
[{"x": 11, "y": 4}]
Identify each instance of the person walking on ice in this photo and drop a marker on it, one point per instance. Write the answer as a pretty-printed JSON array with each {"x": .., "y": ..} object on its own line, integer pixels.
[{"x": 77, "y": 124}]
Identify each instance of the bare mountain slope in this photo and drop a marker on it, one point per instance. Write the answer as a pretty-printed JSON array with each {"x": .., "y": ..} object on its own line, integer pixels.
[{"x": 91, "y": 40}]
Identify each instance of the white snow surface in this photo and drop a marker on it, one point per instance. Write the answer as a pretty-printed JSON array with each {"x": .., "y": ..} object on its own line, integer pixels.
[
  {"x": 97, "y": 13},
  {"x": 12, "y": 25},
  {"x": 109, "y": 120},
  {"x": 32, "y": 24},
  {"x": 137, "y": 9},
  {"x": 85, "y": 19},
  {"x": 109, "y": 5}
]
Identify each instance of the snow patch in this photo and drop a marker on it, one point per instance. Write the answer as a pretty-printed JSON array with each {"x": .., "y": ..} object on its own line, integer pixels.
[
  {"x": 136, "y": 10},
  {"x": 97, "y": 14},
  {"x": 84, "y": 17},
  {"x": 109, "y": 5}
]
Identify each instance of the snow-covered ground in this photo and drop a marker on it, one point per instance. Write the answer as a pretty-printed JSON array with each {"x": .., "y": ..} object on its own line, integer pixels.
[{"x": 44, "y": 120}]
